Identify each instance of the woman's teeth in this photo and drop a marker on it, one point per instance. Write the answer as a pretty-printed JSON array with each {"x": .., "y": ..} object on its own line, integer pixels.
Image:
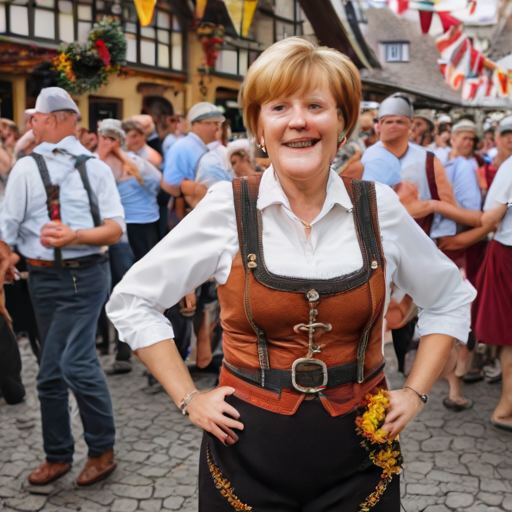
[{"x": 301, "y": 144}]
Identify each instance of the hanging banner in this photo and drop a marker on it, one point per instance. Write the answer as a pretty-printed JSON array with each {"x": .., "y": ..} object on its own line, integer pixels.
[
  {"x": 145, "y": 11},
  {"x": 235, "y": 11},
  {"x": 200, "y": 8},
  {"x": 248, "y": 15}
]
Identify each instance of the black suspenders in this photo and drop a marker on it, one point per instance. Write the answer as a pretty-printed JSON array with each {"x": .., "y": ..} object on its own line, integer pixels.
[{"x": 52, "y": 194}]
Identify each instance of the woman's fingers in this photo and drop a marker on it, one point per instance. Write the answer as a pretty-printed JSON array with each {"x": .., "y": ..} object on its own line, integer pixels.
[
  {"x": 230, "y": 411},
  {"x": 218, "y": 433},
  {"x": 228, "y": 422}
]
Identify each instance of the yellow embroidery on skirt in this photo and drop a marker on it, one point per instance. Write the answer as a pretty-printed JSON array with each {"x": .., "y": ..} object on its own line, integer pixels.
[{"x": 223, "y": 484}]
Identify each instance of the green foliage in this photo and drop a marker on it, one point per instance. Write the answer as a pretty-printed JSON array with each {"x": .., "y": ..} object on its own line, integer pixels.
[{"x": 86, "y": 67}]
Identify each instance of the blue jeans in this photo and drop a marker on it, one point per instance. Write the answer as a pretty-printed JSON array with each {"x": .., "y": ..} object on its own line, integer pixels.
[{"x": 67, "y": 304}]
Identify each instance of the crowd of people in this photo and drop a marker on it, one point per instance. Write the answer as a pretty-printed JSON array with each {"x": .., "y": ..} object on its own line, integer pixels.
[{"x": 82, "y": 207}]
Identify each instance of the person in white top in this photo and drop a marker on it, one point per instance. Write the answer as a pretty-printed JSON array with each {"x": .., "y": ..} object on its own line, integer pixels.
[
  {"x": 492, "y": 309},
  {"x": 61, "y": 207},
  {"x": 297, "y": 255}
]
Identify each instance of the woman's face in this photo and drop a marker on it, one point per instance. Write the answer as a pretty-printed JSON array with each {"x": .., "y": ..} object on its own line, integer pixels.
[
  {"x": 300, "y": 133},
  {"x": 241, "y": 165}
]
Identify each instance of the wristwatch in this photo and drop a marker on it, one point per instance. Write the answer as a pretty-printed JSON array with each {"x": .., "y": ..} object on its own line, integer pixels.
[{"x": 422, "y": 397}]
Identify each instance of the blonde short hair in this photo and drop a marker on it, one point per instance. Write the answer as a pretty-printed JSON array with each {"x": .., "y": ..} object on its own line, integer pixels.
[{"x": 294, "y": 64}]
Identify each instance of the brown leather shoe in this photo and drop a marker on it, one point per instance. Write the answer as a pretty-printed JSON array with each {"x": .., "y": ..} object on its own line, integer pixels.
[
  {"x": 97, "y": 468},
  {"x": 48, "y": 472}
]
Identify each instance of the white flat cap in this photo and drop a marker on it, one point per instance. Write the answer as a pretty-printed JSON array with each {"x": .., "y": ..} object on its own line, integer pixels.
[
  {"x": 204, "y": 110},
  {"x": 505, "y": 125},
  {"x": 113, "y": 126},
  {"x": 464, "y": 125},
  {"x": 54, "y": 99},
  {"x": 396, "y": 105}
]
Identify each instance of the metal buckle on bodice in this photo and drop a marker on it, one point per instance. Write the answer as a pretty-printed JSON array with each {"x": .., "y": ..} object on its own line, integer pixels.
[{"x": 309, "y": 375}]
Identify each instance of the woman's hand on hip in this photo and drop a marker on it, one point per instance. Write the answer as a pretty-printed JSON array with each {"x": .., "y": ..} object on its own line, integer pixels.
[
  {"x": 210, "y": 411},
  {"x": 404, "y": 406}
]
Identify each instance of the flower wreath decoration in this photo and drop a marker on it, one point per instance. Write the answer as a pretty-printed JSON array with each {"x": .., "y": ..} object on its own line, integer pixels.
[
  {"x": 86, "y": 67},
  {"x": 212, "y": 39},
  {"x": 384, "y": 453}
]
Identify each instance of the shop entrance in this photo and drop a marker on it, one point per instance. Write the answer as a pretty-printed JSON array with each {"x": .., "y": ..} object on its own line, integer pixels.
[
  {"x": 103, "y": 108},
  {"x": 6, "y": 103}
]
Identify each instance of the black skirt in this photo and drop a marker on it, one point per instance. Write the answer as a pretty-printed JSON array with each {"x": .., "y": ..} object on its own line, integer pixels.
[{"x": 307, "y": 462}]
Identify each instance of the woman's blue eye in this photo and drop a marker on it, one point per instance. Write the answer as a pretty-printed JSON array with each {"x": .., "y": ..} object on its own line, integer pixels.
[
  {"x": 315, "y": 105},
  {"x": 278, "y": 108}
]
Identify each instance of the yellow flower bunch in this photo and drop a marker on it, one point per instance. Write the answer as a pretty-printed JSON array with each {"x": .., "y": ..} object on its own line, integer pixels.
[
  {"x": 384, "y": 453},
  {"x": 368, "y": 425}
]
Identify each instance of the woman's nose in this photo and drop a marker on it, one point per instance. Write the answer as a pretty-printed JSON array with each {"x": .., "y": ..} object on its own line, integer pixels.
[{"x": 298, "y": 118}]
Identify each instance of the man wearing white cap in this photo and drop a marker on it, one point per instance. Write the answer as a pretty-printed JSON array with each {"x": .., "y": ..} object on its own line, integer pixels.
[
  {"x": 503, "y": 139},
  {"x": 417, "y": 165},
  {"x": 422, "y": 129},
  {"x": 61, "y": 207},
  {"x": 182, "y": 159}
]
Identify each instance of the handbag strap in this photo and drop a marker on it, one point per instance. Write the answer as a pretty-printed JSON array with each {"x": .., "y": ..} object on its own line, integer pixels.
[{"x": 52, "y": 195}]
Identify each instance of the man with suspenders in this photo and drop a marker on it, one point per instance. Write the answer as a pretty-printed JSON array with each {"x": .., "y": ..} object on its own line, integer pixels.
[
  {"x": 424, "y": 170},
  {"x": 61, "y": 206}
]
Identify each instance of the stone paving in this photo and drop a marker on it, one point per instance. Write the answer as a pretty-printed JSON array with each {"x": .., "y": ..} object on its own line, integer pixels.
[{"x": 454, "y": 461}]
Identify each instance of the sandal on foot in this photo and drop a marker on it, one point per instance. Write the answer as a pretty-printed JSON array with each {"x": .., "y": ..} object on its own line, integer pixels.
[
  {"x": 502, "y": 426},
  {"x": 457, "y": 407}
]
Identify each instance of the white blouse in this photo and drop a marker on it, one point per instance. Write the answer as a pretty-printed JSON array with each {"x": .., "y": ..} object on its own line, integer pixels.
[
  {"x": 500, "y": 193},
  {"x": 206, "y": 241}
]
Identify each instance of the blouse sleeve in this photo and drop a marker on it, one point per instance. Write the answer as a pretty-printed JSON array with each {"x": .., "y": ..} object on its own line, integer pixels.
[
  {"x": 420, "y": 269},
  {"x": 202, "y": 246}
]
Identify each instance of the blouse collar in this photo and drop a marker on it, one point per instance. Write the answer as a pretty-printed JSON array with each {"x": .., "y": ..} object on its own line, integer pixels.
[{"x": 272, "y": 193}]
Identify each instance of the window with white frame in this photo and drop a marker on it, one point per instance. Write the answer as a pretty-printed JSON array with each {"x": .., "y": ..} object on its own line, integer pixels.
[
  {"x": 395, "y": 51},
  {"x": 159, "y": 45}
]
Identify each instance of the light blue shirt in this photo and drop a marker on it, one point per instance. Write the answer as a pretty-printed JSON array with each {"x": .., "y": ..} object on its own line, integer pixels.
[
  {"x": 139, "y": 202},
  {"x": 182, "y": 158},
  {"x": 380, "y": 165},
  {"x": 169, "y": 141},
  {"x": 25, "y": 211},
  {"x": 461, "y": 175},
  {"x": 210, "y": 169}
]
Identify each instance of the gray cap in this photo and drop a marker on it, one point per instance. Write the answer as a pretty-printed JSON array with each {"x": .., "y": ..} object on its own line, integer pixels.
[
  {"x": 204, "y": 110},
  {"x": 54, "y": 99},
  {"x": 505, "y": 125},
  {"x": 112, "y": 126},
  {"x": 464, "y": 125},
  {"x": 421, "y": 114},
  {"x": 396, "y": 105}
]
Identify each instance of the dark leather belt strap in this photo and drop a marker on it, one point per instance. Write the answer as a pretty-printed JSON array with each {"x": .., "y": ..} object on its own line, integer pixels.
[{"x": 276, "y": 380}]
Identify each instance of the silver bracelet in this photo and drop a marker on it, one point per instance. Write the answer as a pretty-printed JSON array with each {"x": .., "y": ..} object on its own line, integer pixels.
[
  {"x": 186, "y": 400},
  {"x": 421, "y": 396}
]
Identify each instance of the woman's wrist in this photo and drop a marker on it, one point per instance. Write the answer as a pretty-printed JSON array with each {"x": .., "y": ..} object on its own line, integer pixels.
[{"x": 185, "y": 401}]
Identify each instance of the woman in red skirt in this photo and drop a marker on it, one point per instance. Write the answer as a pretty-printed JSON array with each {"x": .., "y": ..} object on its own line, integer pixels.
[{"x": 493, "y": 306}]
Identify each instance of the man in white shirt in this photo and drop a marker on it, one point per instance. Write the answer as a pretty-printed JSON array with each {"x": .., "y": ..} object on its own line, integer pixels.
[
  {"x": 417, "y": 165},
  {"x": 61, "y": 207}
]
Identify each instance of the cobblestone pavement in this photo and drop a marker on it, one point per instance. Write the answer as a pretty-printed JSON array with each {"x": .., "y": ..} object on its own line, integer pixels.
[{"x": 454, "y": 461}]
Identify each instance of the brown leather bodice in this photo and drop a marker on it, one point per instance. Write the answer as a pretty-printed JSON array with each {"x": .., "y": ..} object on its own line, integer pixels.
[{"x": 259, "y": 310}]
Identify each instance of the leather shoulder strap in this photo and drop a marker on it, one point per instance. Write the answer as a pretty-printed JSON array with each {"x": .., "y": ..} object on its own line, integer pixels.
[
  {"x": 431, "y": 176},
  {"x": 93, "y": 200},
  {"x": 43, "y": 169},
  {"x": 364, "y": 200},
  {"x": 52, "y": 198},
  {"x": 246, "y": 192}
]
